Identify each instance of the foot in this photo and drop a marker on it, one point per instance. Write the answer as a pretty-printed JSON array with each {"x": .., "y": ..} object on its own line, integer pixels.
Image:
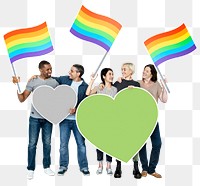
[
  {"x": 30, "y": 174},
  {"x": 49, "y": 172},
  {"x": 61, "y": 172},
  {"x": 99, "y": 170},
  {"x": 85, "y": 172},
  {"x": 137, "y": 174},
  {"x": 144, "y": 173},
  {"x": 156, "y": 175},
  {"x": 118, "y": 173},
  {"x": 109, "y": 171}
]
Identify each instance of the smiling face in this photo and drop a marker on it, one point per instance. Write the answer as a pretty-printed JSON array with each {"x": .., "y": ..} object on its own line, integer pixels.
[
  {"x": 74, "y": 73},
  {"x": 126, "y": 72},
  {"x": 46, "y": 71},
  {"x": 109, "y": 77},
  {"x": 147, "y": 73}
]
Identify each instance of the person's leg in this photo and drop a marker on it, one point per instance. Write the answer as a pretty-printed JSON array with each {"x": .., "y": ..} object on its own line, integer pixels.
[
  {"x": 118, "y": 171},
  {"x": 108, "y": 167},
  {"x": 81, "y": 148},
  {"x": 136, "y": 171},
  {"x": 65, "y": 132},
  {"x": 144, "y": 160},
  {"x": 46, "y": 140},
  {"x": 100, "y": 160},
  {"x": 108, "y": 158},
  {"x": 34, "y": 130},
  {"x": 155, "y": 152},
  {"x": 99, "y": 155}
]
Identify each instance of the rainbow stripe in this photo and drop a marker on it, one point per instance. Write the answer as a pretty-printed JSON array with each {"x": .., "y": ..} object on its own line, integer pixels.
[
  {"x": 28, "y": 42},
  {"x": 168, "y": 45},
  {"x": 95, "y": 28}
]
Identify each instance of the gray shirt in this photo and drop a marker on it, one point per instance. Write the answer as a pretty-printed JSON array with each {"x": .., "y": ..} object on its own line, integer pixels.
[
  {"x": 108, "y": 91},
  {"x": 33, "y": 84}
]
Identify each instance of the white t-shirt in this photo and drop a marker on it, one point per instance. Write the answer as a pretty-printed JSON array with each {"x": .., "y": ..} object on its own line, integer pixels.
[{"x": 75, "y": 86}]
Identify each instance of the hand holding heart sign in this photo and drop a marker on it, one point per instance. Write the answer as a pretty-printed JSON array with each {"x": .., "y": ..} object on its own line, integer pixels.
[{"x": 125, "y": 122}]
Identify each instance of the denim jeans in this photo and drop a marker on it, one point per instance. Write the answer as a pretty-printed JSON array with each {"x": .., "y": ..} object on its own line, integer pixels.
[
  {"x": 100, "y": 156},
  {"x": 155, "y": 152},
  {"x": 34, "y": 130},
  {"x": 65, "y": 131}
]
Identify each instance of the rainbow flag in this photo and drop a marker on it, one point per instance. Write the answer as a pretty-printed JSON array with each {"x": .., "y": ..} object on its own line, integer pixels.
[
  {"x": 168, "y": 45},
  {"x": 28, "y": 42},
  {"x": 95, "y": 28}
]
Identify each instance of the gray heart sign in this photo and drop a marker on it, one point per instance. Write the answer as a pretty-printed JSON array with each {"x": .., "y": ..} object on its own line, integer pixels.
[{"x": 54, "y": 104}]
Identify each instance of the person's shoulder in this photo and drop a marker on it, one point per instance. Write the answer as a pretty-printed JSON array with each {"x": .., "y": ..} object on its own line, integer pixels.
[
  {"x": 157, "y": 84},
  {"x": 116, "y": 83},
  {"x": 114, "y": 89},
  {"x": 34, "y": 80},
  {"x": 84, "y": 83},
  {"x": 136, "y": 83}
]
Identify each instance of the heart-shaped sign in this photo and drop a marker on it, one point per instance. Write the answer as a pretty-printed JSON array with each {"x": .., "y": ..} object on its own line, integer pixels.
[
  {"x": 54, "y": 104},
  {"x": 118, "y": 126}
]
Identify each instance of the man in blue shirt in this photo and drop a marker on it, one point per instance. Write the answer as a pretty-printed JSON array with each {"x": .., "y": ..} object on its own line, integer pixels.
[{"x": 76, "y": 81}]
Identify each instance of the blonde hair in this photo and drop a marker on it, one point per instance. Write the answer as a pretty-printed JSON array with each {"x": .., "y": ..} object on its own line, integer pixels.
[{"x": 131, "y": 66}]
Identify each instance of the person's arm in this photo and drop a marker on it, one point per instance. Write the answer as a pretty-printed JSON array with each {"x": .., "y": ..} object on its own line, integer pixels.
[
  {"x": 58, "y": 79},
  {"x": 163, "y": 94},
  {"x": 23, "y": 96},
  {"x": 89, "y": 90}
]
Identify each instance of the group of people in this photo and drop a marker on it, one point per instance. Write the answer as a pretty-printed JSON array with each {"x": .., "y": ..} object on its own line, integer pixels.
[{"x": 74, "y": 79}]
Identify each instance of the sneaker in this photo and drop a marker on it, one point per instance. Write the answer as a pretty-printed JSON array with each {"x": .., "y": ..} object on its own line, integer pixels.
[
  {"x": 99, "y": 170},
  {"x": 109, "y": 171},
  {"x": 85, "y": 172},
  {"x": 61, "y": 172},
  {"x": 30, "y": 174},
  {"x": 49, "y": 172}
]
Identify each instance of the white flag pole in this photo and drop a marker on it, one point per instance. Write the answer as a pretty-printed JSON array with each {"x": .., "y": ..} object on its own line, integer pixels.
[
  {"x": 15, "y": 76},
  {"x": 164, "y": 83},
  {"x": 100, "y": 63}
]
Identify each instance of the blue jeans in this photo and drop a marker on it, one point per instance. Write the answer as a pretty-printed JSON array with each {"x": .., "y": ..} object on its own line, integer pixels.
[
  {"x": 155, "y": 152},
  {"x": 65, "y": 131},
  {"x": 34, "y": 130}
]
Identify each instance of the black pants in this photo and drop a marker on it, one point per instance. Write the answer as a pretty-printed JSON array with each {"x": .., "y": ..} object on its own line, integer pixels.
[{"x": 100, "y": 156}]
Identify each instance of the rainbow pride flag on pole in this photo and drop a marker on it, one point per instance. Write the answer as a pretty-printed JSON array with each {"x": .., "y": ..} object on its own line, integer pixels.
[
  {"x": 95, "y": 28},
  {"x": 168, "y": 45},
  {"x": 28, "y": 42}
]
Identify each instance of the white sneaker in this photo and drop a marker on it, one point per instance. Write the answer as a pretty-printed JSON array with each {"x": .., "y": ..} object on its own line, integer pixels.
[
  {"x": 49, "y": 172},
  {"x": 99, "y": 170},
  {"x": 30, "y": 174}
]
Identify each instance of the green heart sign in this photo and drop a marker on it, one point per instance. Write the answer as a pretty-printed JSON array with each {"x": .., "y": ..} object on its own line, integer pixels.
[{"x": 119, "y": 126}]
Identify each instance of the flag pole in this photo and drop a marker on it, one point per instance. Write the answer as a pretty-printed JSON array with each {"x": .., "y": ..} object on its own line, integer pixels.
[
  {"x": 16, "y": 76},
  {"x": 165, "y": 85},
  {"x": 100, "y": 63}
]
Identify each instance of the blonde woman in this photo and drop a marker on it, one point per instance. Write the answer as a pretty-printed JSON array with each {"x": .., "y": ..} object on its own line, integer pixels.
[{"x": 125, "y": 81}]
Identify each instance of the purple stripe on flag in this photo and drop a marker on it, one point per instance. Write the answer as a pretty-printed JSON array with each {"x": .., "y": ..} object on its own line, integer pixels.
[
  {"x": 79, "y": 35},
  {"x": 175, "y": 55},
  {"x": 31, "y": 54}
]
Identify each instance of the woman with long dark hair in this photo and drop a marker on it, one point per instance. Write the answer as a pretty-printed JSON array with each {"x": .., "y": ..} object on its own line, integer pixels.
[
  {"x": 108, "y": 89},
  {"x": 149, "y": 82}
]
